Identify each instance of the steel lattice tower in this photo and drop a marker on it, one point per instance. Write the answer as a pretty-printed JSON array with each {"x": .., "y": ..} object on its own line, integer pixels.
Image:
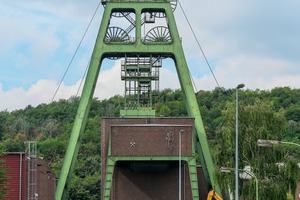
[{"x": 142, "y": 32}]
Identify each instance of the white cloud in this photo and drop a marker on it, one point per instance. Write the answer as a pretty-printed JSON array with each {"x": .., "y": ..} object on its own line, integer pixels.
[
  {"x": 255, "y": 42},
  {"x": 40, "y": 92},
  {"x": 109, "y": 84},
  {"x": 254, "y": 72},
  {"x": 168, "y": 79}
]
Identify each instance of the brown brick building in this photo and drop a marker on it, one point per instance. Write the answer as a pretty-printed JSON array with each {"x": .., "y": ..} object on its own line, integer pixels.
[
  {"x": 16, "y": 165},
  {"x": 149, "y": 138}
]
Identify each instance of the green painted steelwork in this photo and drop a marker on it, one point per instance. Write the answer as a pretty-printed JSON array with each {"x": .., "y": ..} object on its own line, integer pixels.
[
  {"x": 139, "y": 74},
  {"x": 193, "y": 177},
  {"x": 134, "y": 48},
  {"x": 139, "y": 112},
  {"x": 108, "y": 177}
]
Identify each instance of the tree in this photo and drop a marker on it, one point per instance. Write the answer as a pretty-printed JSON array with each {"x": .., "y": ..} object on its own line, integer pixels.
[
  {"x": 110, "y": 110},
  {"x": 164, "y": 111},
  {"x": 51, "y": 148},
  {"x": 256, "y": 121},
  {"x": 50, "y": 127},
  {"x": 293, "y": 113},
  {"x": 20, "y": 125},
  {"x": 3, "y": 177},
  {"x": 3, "y": 119},
  {"x": 88, "y": 187}
]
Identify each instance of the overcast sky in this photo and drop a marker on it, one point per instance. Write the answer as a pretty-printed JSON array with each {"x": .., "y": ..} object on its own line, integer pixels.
[{"x": 253, "y": 42}]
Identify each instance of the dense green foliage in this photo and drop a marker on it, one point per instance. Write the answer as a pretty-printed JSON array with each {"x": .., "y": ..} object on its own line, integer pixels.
[
  {"x": 51, "y": 124},
  {"x": 3, "y": 178},
  {"x": 270, "y": 166}
]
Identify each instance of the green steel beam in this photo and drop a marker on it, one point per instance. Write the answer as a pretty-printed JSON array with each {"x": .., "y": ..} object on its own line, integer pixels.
[
  {"x": 149, "y": 158},
  {"x": 202, "y": 160},
  {"x": 101, "y": 51},
  {"x": 108, "y": 177},
  {"x": 192, "y": 105},
  {"x": 193, "y": 177},
  {"x": 82, "y": 114}
]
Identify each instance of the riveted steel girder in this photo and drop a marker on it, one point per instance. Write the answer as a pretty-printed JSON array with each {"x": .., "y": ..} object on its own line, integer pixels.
[{"x": 104, "y": 50}]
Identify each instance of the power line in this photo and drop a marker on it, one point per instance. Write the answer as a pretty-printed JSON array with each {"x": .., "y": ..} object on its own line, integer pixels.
[
  {"x": 75, "y": 52},
  {"x": 86, "y": 69},
  {"x": 199, "y": 44}
]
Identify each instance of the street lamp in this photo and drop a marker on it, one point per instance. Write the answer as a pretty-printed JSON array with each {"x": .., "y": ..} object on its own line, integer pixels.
[
  {"x": 179, "y": 181},
  {"x": 228, "y": 170},
  {"x": 236, "y": 143},
  {"x": 270, "y": 143}
]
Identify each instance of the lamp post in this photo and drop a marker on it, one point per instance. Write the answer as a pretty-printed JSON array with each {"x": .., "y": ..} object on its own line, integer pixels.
[
  {"x": 236, "y": 143},
  {"x": 228, "y": 170},
  {"x": 270, "y": 143}
]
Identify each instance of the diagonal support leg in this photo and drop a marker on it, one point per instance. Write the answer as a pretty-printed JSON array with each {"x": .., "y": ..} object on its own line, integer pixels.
[{"x": 82, "y": 114}]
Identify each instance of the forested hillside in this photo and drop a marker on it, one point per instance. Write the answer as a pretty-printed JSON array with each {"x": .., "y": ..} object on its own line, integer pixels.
[{"x": 51, "y": 124}]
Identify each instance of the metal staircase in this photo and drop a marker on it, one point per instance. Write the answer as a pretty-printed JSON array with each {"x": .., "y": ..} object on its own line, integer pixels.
[{"x": 31, "y": 152}]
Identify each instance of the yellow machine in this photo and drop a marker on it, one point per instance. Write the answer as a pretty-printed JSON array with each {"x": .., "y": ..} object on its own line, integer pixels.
[{"x": 213, "y": 195}]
